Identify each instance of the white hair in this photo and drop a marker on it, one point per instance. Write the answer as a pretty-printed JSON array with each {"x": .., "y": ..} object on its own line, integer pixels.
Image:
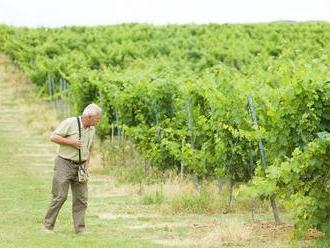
[{"x": 92, "y": 110}]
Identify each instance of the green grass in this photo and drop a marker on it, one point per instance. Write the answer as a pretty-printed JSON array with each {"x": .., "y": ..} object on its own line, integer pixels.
[
  {"x": 24, "y": 199},
  {"x": 200, "y": 202},
  {"x": 153, "y": 198}
]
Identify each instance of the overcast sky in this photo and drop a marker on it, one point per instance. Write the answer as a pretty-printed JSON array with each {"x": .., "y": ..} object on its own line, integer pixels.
[{"x": 54, "y": 13}]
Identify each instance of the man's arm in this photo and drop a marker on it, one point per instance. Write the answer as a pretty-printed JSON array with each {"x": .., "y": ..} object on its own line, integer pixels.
[
  {"x": 88, "y": 158},
  {"x": 65, "y": 141}
]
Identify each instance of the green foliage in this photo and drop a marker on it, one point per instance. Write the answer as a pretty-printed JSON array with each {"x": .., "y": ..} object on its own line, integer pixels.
[{"x": 305, "y": 180}]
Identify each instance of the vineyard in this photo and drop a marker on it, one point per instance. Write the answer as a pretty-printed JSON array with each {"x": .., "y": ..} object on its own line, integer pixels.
[{"x": 245, "y": 103}]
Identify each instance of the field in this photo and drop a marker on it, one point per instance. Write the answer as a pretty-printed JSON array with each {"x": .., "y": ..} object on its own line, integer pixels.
[{"x": 194, "y": 136}]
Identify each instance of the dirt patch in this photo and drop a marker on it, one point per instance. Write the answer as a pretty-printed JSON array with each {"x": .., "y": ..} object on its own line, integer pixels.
[
  {"x": 271, "y": 231},
  {"x": 229, "y": 232},
  {"x": 226, "y": 233},
  {"x": 313, "y": 234},
  {"x": 235, "y": 233}
]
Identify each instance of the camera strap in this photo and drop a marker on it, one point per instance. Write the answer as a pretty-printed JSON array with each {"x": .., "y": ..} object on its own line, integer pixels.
[{"x": 79, "y": 128}]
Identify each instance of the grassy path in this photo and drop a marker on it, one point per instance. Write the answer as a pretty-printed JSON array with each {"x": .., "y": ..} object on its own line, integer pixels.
[{"x": 26, "y": 164}]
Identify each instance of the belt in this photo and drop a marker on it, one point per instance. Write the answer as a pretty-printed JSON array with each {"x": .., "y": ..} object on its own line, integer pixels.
[{"x": 72, "y": 161}]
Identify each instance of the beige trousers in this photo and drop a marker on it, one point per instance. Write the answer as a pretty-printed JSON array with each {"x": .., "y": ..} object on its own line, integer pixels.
[{"x": 66, "y": 174}]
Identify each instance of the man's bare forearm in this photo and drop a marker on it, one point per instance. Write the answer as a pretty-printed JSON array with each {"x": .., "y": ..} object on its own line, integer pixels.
[
  {"x": 88, "y": 158},
  {"x": 65, "y": 141}
]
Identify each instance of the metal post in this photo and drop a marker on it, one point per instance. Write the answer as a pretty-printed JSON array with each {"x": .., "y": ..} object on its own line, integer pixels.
[{"x": 263, "y": 155}]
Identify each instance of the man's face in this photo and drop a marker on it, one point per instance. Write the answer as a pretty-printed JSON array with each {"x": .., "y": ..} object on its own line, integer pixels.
[{"x": 94, "y": 119}]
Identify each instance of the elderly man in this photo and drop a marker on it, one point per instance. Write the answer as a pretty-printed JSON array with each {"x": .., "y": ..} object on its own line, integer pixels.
[{"x": 67, "y": 165}]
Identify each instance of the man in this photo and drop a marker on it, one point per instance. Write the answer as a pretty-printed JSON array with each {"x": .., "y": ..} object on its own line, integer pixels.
[{"x": 67, "y": 164}]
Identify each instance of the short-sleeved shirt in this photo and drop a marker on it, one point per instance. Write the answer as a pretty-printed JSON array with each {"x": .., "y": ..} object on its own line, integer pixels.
[{"x": 69, "y": 129}]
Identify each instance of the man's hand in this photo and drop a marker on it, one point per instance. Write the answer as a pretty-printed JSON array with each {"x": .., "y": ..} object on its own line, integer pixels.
[
  {"x": 75, "y": 143},
  {"x": 86, "y": 164}
]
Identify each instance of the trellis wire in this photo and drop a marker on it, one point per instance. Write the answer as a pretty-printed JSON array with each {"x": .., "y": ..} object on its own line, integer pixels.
[{"x": 59, "y": 94}]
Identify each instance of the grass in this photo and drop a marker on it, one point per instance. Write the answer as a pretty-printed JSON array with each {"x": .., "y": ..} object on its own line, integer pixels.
[
  {"x": 160, "y": 214},
  {"x": 153, "y": 198}
]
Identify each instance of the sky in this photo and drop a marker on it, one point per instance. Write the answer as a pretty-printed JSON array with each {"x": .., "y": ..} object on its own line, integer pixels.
[{"x": 56, "y": 13}]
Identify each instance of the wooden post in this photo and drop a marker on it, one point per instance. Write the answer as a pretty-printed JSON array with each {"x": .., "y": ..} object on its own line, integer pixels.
[
  {"x": 145, "y": 167},
  {"x": 118, "y": 128},
  {"x": 230, "y": 198},
  {"x": 182, "y": 159},
  {"x": 219, "y": 184},
  {"x": 112, "y": 133},
  {"x": 196, "y": 185}
]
